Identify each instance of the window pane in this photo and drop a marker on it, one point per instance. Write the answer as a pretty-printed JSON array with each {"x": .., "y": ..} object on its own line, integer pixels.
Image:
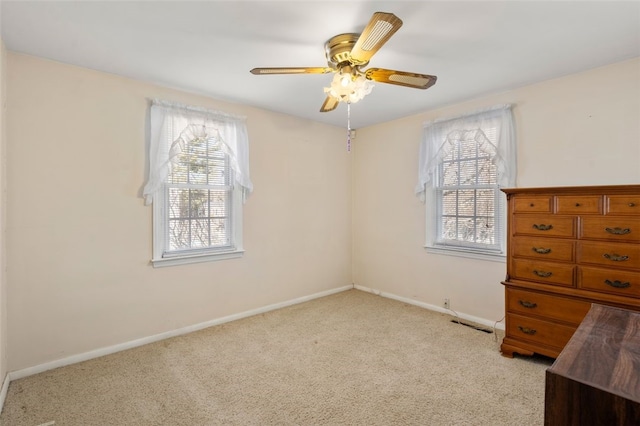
[
  {"x": 200, "y": 233},
  {"x": 449, "y": 228},
  {"x": 178, "y": 203},
  {"x": 179, "y": 173},
  {"x": 179, "y": 237},
  {"x": 466, "y": 203},
  {"x": 487, "y": 172},
  {"x": 220, "y": 232},
  {"x": 198, "y": 171},
  {"x": 468, "y": 172},
  {"x": 466, "y": 230},
  {"x": 199, "y": 203},
  {"x": 449, "y": 203},
  {"x": 485, "y": 230},
  {"x": 485, "y": 202},
  {"x": 218, "y": 203},
  {"x": 199, "y": 218}
]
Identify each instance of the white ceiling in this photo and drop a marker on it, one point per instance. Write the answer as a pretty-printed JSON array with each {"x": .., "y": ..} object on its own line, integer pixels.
[{"x": 208, "y": 47}]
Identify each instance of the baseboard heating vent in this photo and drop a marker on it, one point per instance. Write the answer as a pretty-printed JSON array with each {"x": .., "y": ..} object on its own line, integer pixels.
[{"x": 474, "y": 326}]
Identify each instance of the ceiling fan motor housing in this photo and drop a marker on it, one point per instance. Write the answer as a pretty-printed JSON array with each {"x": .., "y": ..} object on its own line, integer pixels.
[{"x": 338, "y": 51}]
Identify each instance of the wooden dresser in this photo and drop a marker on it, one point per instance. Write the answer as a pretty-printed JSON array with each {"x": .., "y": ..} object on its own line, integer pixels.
[{"x": 568, "y": 247}]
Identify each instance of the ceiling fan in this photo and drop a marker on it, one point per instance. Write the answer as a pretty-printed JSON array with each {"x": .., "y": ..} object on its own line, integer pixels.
[{"x": 347, "y": 54}]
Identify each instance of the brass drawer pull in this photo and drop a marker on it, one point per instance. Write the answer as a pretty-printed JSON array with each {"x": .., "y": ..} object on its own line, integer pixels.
[
  {"x": 617, "y": 283},
  {"x": 541, "y": 250},
  {"x": 615, "y": 257},
  {"x": 527, "y": 330},
  {"x": 542, "y": 227},
  {"x": 632, "y": 204},
  {"x": 527, "y": 304},
  {"x": 543, "y": 274},
  {"x": 618, "y": 231}
]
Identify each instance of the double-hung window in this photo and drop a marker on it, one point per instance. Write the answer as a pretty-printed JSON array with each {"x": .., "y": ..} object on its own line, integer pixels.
[
  {"x": 198, "y": 180},
  {"x": 463, "y": 163}
]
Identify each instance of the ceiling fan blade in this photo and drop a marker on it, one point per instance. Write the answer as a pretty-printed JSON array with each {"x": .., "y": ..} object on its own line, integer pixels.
[
  {"x": 329, "y": 104},
  {"x": 401, "y": 78},
  {"x": 290, "y": 70},
  {"x": 379, "y": 29}
]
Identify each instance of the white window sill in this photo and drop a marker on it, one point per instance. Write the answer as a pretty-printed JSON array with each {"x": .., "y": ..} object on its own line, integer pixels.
[
  {"x": 468, "y": 253},
  {"x": 196, "y": 258}
]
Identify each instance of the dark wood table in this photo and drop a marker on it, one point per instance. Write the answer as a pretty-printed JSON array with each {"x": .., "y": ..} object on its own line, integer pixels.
[{"x": 596, "y": 378}]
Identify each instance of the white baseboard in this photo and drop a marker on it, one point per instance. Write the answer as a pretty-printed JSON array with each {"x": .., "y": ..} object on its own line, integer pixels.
[
  {"x": 460, "y": 315},
  {"x": 4, "y": 390},
  {"x": 18, "y": 374}
]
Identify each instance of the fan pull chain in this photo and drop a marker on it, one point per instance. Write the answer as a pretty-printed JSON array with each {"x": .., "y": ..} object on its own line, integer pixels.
[{"x": 348, "y": 126}]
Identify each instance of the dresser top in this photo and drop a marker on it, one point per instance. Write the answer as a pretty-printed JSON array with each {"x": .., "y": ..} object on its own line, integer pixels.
[
  {"x": 604, "y": 352},
  {"x": 593, "y": 190}
]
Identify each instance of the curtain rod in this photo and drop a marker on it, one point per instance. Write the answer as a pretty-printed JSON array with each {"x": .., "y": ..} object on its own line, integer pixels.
[
  {"x": 457, "y": 117},
  {"x": 192, "y": 108}
]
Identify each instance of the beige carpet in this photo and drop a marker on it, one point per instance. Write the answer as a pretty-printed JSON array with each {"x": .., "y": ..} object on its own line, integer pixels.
[{"x": 352, "y": 358}]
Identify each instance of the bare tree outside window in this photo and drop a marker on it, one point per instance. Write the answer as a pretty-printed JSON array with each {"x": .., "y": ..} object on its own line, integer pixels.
[
  {"x": 467, "y": 189},
  {"x": 199, "y": 196}
]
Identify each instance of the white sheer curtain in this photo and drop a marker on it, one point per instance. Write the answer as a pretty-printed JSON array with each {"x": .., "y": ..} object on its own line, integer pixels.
[
  {"x": 228, "y": 132},
  {"x": 439, "y": 137}
]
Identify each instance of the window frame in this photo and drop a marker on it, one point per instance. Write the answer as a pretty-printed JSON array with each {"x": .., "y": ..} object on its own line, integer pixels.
[
  {"x": 432, "y": 157},
  {"x": 160, "y": 224},
  {"x": 432, "y": 245},
  {"x": 167, "y": 138}
]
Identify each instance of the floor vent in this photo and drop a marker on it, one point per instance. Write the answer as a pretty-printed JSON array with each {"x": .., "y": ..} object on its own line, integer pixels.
[{"x": 474, "y": 326}]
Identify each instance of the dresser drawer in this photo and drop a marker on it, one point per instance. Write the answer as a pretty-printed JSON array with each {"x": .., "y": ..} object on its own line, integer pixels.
[
  {"x": 612, "y": 255},
  {"x": 544, "y": 225},
  {"x": 623, "y": 204},
  {"x": 538, "y": 331},
  {"x": 545, "y": 305},
  {"x": 543, "y": 248},
  {"x": 613, "y": 228},
  {"x": 612, "y": 281},
  {"x": 543, "y": 272},
  {"x": 578, "y": 204},
  {"x": 533, "y": 204}
]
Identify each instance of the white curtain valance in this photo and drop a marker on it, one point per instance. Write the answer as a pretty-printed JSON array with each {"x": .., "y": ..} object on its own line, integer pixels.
[
  {"x": 440, "y": 136},
  {"x": 182, "y": 124}
]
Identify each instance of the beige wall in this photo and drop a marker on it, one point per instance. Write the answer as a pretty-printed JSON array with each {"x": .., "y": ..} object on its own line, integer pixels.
[
  {"x": 79, "y": 237},
  {"x": 582, "y": 129},
  {"x": 3, "y": 281}
]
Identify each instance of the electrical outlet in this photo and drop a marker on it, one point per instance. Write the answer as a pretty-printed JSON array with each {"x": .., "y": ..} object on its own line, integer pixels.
[{"x": 446, "y": 303}]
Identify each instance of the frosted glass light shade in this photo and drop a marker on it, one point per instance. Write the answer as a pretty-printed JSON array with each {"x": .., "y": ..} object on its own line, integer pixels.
[{"x": 348, "y": 88}]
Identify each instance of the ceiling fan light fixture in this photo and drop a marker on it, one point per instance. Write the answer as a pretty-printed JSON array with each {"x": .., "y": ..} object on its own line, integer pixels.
[
  {"x": 345, "y": 80},
  {"x": 349, "y": 88}
]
